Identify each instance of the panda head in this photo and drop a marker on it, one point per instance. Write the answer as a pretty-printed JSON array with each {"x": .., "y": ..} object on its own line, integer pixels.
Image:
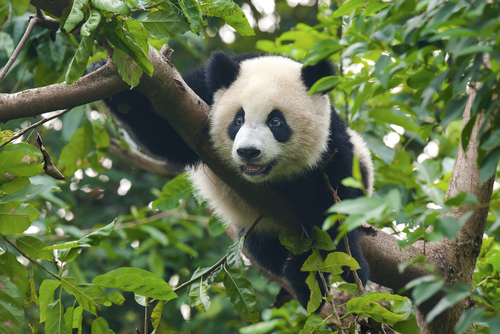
[{"x": 263, "y": 122}]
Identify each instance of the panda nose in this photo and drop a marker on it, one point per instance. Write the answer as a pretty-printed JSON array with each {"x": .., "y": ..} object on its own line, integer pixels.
[{"x": 248, "y": 153}]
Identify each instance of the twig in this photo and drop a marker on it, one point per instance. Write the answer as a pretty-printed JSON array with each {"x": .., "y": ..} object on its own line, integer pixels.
[
  {"x": 33, "y": 20},
  {"x": 29, "y": 258},
  {"x": 344, "y": 238},
  {"x": 146, "y": 316},
  {"x": 23, "y": 131},
  {"x": 332, "y": 304},
  {"x": 221, "y": 261}
]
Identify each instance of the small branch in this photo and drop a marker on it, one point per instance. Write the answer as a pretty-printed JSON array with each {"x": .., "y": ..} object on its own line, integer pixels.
[
  {"x": 336, "y": 318},
  {"x": 221, "y": 261},
  {"x": 146, "y": 316},
  {"x": 344, "y": 238},
  {"x": 150, "y": 165},
  {"x": 29, "y": 258},
  {"x": 208, "y": 272},
  {"x": 32, "y": 22},
  {"x": 23, "y": 131}
]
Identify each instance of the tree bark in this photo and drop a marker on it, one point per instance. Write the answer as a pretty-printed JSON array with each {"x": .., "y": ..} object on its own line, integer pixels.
[{"x": 461, "y": 253}]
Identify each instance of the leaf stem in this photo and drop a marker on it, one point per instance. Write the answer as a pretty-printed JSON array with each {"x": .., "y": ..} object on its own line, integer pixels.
[
  {"x": 23, "y": 131},
  {"x": 29, "y": 258},
  {"x": 222, "y": 260}
]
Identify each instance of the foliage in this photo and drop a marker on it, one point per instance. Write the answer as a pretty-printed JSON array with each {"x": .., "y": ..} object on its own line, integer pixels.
[{"x": 404, "y": 68}]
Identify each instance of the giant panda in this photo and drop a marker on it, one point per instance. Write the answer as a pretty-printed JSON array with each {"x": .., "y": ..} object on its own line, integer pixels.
[{"x": 267, "y": 129}]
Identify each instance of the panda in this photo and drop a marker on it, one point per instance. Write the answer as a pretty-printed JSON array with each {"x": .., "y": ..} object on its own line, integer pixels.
[{"x": 267, "y": 128}]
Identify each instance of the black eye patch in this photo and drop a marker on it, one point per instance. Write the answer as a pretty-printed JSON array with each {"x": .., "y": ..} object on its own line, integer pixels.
[
  {"x": 235, "y": 126},
  {"x": 277, "y": 123}
]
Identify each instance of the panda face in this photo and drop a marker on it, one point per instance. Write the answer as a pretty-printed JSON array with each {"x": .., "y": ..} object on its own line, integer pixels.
[{"x": 265, "y": 125}]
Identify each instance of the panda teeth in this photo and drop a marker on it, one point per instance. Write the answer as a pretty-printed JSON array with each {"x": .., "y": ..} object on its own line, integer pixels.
[{"x": 253, "y": 168}]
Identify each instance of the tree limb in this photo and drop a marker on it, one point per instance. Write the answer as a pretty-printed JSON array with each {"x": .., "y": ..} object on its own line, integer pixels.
[{"x": 150, "y": 165}]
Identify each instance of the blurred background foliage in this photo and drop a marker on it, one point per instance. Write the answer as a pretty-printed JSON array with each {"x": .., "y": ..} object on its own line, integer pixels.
[{"x": 403, "y": 68}]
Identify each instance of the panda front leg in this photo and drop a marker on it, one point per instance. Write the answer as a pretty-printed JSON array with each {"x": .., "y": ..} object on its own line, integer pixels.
[{"x": 151, "y": 131}]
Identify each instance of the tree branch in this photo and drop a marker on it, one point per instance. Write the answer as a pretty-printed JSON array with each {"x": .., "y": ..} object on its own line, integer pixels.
[
  {"x": 97, "y": 85},
  {"x": 150, "y": 165}
]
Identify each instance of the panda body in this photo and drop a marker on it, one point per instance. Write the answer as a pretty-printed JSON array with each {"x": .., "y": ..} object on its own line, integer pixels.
[{"x": 267, "y": 129}]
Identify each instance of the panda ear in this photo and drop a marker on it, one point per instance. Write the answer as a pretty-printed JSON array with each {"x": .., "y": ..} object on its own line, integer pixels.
[
  {"x": 221, "y": 71},
  {"x": 313, "y": 73}
]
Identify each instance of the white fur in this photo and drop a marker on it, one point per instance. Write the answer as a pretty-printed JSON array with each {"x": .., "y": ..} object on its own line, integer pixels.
[{"x": 364, "y": 157}]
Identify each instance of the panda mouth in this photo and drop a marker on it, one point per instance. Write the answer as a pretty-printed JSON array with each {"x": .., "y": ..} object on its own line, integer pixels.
[{"x": 255, "y": 169}]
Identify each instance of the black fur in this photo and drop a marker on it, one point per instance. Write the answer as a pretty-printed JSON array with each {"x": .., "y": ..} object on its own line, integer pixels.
[
  {"x": 281, "y": 132},
  {"x": 308, "y": 193},
  {"x": 311, "y": 74}
]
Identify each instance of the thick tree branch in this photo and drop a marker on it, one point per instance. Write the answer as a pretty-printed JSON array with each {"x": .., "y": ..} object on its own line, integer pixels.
[{"x": 100, "y": 84}]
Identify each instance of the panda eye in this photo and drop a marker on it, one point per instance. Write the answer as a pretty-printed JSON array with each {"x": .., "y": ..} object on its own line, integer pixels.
[
  {"x": 275, "y": 122},
  {"x": 239, "y": 120}
]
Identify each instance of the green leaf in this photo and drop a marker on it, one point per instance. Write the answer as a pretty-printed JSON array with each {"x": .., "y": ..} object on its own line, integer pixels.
[
  {"x": 76, "y": 14},
  {"x": 10, "y": 267},
  {"x": 156, "y": 314},
  {"x": 454, "y": 294},
  {"x": 234, "y": 254},
  {"x": 313, "y": 262},
  {"x": 384, "y": 115},
  {"x": 79, "y": 62},
  {"x": 7, "y": 45},
  {"x": 33, "y": 247},
  {"x": 240, "y": 293},
  {"x": 489, "y": 165},
  {"x": 25, "y": 194},
  {"x": 321, "y": 239},
  {"x": 366, "y": 304},
  {"x": 457, "y": 32},
  {"x": 424, "y": 287},
  {"x": 95, "y": 238},
  {"x": 474, "y": 49},
  {"x": 116, "y": 298},
  {"x": 467, "y": 318},
  {"x": 11, "y": 308},
  {"x": 313, "y": 324},
  {"x": 238, "y": 20},
  {"x": 216, "y": 226},
  {"x": 348, "y": 7},
  {"x": 46, "y": 297},
  {"x": 193, "y": 14},
  {"x": 91, "y": 24},
  {"x": 316, "y": 297},
  {"x": 55, "y": 319},
  {"x": 198, "y": 291},
  {"x": 381, "y": 70},
  {"x": 19, "y": 160},
  {"x": 349, "y": 288},
  {"x": 294, "y": 243},
  {"x": 114, "y": 6},
  {"x": 16, "y": 217},
  {"x": 100, "y": 326},
  {"x": 339, "y": 259},
  {"x": 176, "y": 190},
  {"x": 164, "y": 24},
  {"x": 127, "y": 68},
  {"x": 14, "y": 185},
  {"x": 323, "y": 84},
  {"x": 89, "y": 296},
  {"x": 321, "y": 50},
  {"x": 138, "y": 281},
  {"x": 77, "y": 319}
]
